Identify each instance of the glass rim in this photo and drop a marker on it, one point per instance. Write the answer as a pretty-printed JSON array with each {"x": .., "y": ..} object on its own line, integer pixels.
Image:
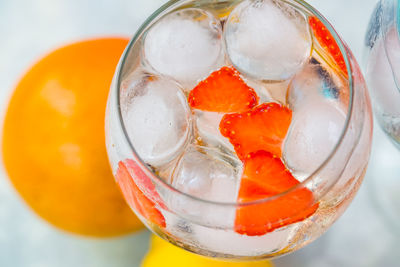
[{"x": 302, "y": 184}]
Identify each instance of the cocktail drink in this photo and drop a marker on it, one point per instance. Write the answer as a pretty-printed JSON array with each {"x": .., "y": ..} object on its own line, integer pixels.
[
  {"x": 382, "y": 66},
  {"x": 238, "y": 129}
]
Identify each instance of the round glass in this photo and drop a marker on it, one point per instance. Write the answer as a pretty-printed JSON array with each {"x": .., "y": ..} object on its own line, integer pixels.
[{"x": 189, "y": 181}]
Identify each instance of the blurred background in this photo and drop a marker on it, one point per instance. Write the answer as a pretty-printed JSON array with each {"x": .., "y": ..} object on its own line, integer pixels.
[{"x": 366, "y": 235}]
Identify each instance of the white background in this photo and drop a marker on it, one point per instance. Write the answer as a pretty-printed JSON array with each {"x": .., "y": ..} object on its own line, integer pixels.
[{"x": 30, "y": 28}]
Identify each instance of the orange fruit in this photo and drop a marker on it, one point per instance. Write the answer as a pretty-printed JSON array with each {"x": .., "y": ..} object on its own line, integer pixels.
[{"x": 53, "y": 140}]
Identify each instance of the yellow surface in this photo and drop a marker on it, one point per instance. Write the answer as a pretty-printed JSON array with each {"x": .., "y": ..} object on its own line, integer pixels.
[
  {"x": 53, "y": 141},
  {"x": 164, "y": 254}
]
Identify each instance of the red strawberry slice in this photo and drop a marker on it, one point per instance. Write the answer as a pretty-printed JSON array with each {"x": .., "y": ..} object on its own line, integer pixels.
[
  {"x": 129, "y": 176},
  {"x": 223, "y": 91},
  {"x": 262, "y": 128},
  {"x": 327, "y": 42},
  {"x": 266, "y": 176}
]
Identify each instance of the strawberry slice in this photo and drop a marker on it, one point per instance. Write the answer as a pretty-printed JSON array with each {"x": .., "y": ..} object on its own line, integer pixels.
[
  {"x": 262, "y": 128},
  {"x": 223, "y": 91},
  {"x": 327, "y": 42},
  {"x": 129, "y": 177},
  {"x": 265, "y": 176}
]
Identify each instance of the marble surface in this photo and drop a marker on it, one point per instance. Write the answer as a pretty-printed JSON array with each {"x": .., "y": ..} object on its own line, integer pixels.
[{"x": 366, "y": 235}]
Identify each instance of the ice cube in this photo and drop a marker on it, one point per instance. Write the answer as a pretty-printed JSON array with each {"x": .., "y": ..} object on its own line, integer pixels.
[
  {"x": 209, "y": 175},
  {"x": 315, "y": 81},
  {"x": 319, "y": 116},
  {"x": 156, "y": 117},
  {"x": 185, "y": 45},
  {"x": 315, "y": 130},
  {"x": 207, "y": 126},
  {"x": 267, "y": 39},
  {"x": 201, "y": 174}
]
